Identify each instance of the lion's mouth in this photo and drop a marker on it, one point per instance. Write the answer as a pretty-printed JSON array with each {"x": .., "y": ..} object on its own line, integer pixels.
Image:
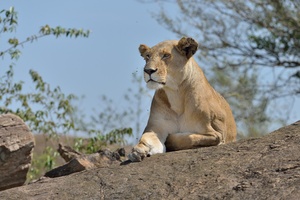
[{"x": 163, "y": 83}]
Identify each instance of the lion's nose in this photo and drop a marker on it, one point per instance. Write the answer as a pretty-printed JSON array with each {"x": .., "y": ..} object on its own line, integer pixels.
[{"x": 150, "y": 71}]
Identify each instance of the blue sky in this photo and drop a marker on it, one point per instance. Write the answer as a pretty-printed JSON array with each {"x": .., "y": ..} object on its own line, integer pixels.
[{"x": 102, "y": 64}]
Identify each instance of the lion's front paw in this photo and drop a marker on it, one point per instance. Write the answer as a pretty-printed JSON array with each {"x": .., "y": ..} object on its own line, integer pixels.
[
  {"x": 138, "y": 153},
  {"x": 135, "y": 156}
]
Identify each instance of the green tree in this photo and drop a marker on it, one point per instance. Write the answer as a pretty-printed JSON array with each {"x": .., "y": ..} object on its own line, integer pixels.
[
  {"x": 248, "y": 49},
  {"x": 46, "y": 110}
]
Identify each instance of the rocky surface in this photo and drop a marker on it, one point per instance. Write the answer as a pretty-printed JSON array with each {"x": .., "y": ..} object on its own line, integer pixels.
[
  {"x": 258, "y": 168},
  {"x": 16, "y": 145},
  {"x": 77, "y": 162}
]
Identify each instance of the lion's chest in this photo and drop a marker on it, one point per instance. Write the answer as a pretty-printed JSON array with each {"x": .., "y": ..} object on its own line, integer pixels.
[
  {"x": 176, "y": 102},
  {"x": 184, "y": 118},
  {"x": 186, "y": 123}
]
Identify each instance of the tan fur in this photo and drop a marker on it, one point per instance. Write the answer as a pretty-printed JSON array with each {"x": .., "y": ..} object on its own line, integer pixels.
[{"x": 186, "y": 112}]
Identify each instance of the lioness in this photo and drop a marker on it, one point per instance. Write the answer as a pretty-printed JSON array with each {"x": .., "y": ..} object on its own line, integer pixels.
[{"x": 186, "y": 112}]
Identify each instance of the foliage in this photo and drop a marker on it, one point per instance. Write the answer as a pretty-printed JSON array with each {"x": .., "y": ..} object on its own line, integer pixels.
[
  {"x": 46, "y": 110},
  {"x": 93, "y": 144},
  {"x": 9, "y": 22},
  {"x": 249, "y": 49},
  {"x": 42, "y": 163}
]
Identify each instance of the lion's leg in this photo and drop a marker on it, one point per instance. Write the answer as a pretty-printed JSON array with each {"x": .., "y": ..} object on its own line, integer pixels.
[
  {"x": 180, "y": 141},
  {"x": 149, "y": 144}
]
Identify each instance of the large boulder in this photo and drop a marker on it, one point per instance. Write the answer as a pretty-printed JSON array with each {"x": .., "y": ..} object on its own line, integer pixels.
[
  {"x": 257, "y": 168},
  {"x": 16, "y": 145}
]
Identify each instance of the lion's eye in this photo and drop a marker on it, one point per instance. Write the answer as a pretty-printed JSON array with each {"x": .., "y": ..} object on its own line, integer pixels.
[
  {"x": 147, "y": 57},
  {"x": 166, "y": 55}
]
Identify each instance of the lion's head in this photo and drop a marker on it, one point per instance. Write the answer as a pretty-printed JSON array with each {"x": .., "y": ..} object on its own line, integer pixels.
[{"x": 165, "y": 60}]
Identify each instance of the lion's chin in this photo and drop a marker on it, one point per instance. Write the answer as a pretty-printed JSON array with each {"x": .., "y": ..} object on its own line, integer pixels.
[{"x": 154, "y": 85}]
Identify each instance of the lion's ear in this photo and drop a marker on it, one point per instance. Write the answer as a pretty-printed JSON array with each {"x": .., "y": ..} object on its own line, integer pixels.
[
  {"x": 143, "y": 48},
  {"x": 187, "y": 47}
]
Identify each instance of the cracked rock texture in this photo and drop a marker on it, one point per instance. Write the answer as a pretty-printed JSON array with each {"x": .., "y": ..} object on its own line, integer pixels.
[
  {"x": 258, "y": 168},
  {"x": 16, "y": 145}
]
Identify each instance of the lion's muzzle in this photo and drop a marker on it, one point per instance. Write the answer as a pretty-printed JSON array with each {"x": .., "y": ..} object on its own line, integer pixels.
[{"x": 149, "y": 71}]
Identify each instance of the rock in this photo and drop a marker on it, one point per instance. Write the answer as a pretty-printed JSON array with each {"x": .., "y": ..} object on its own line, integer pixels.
[
  {"x": 77, "y": 162},
  {"x": 16, "y": 145},
  {"x": 256, "y": 168},
  {"x": 67, "y": 153}
]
